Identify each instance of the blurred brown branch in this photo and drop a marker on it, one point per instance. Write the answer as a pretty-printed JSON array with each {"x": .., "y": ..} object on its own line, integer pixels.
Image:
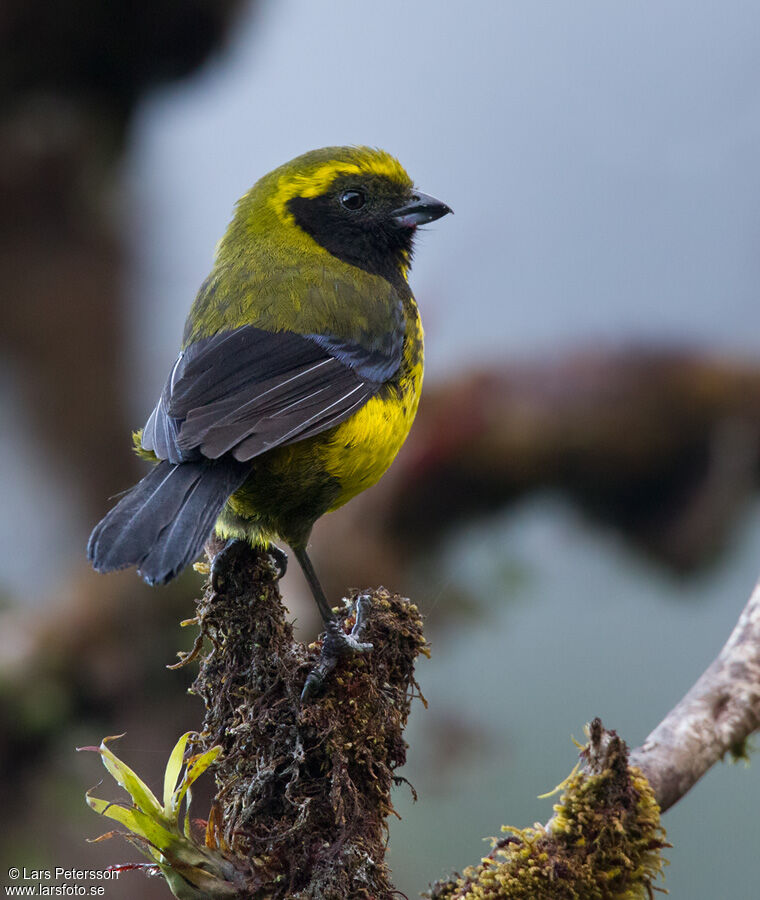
[
  {"x": 661, "y": 444},
  {"x": 106, "y": 54},
  {"x": 664, "y": 444},
  {"x": 70, "y": 77}
]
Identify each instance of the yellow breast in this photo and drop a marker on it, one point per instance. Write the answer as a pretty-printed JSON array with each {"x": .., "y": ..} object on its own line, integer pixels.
[{"x": 363, "y": 447}]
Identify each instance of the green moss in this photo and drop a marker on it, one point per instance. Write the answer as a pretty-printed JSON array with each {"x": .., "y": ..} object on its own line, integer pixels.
[
  {"x": 604, "y": 841},
  {"x": 740, "y": 751}
]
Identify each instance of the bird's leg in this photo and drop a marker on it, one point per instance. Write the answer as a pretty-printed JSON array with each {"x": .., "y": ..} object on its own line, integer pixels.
[
  {"x": 316, "y": 588},
  {"x": 336, "y": 642}
]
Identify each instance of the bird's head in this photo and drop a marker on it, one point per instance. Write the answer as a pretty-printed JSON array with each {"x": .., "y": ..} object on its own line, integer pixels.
[{"x": 357, "y": 203}]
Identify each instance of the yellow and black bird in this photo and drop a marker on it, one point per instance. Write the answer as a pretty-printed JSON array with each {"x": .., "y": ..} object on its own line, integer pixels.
[{"x": 299, "y": 374}]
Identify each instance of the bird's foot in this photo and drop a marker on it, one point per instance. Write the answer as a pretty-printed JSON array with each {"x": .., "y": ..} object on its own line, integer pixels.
[
  {"x": 221, "y": 562},
  {"x": 337, "y": 644},
  {"x": 280, "y": 558}
]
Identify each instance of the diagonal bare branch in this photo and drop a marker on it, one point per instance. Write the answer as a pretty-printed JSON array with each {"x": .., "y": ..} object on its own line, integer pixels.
[{"x": 715, "y": 717}]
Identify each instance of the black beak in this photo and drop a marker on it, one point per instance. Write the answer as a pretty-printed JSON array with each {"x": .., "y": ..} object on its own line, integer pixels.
[{"x": 420, "y": 210}]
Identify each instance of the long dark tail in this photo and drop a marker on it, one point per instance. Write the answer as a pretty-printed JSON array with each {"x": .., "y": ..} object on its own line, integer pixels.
[{"x": 161, "y": 525}]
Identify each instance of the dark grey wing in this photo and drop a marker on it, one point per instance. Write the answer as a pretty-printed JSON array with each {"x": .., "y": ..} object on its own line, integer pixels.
[
  {"x": 161, "y": 431},
  {"x": 248, "y": 390}
]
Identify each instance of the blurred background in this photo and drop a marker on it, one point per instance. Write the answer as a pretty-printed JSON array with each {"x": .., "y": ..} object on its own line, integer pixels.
[{"x": 576, "y": 511}]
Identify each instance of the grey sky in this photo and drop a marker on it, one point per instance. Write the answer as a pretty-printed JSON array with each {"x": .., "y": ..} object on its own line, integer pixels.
[{"x": 601, "y": 158}]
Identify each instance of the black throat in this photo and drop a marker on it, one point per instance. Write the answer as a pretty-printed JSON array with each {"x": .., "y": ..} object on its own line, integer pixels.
[{"x": 384, "y": 249}]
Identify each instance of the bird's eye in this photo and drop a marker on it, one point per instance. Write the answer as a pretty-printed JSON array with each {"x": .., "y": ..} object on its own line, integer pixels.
[{"x": 352, "y": 199}]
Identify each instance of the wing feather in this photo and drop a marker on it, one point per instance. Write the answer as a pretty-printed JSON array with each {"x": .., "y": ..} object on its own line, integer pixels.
[{"x": 248, "y": 390}]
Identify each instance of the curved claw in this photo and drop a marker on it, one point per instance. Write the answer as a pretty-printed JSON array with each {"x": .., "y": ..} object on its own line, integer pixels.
[
  {"x": 363, "y": 606},
  {"x": 335, "y": 645},
  {"x": 315, "y": 680},
  {"x": 280, "y": 558},
  {"x": 219, "y": 563}
]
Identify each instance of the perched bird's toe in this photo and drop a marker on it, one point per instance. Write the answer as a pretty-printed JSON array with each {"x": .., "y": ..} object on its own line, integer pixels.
[
  {"x": 336, "y": 645},
  {"x": 220, "y": 564},
  {"x": 280, "y": 559},
  {"x": 362, "y": 607},
  {"x": 348, "y": 644}
]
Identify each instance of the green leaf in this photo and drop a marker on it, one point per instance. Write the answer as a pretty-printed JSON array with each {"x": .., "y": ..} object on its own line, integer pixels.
[
  {"x": 186, "y": 829},
  {"x": 171, "y": 775},
  {"x": 135, "y": 819},
  {"x": 195, "y": 768},
  {"x": 140, "y": 793},
  {"x": 197, "y": 884}
]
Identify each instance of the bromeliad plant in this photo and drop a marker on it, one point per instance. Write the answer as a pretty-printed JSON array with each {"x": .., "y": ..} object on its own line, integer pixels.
[{"x": 193, "y": 868}]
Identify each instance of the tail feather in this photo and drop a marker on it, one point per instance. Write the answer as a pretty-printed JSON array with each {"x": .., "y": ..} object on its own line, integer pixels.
[{"x": 161, "y": 525}]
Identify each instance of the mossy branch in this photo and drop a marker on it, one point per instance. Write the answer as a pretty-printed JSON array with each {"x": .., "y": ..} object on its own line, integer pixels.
[
  {"x": 604, "y": 841},
  {"x": 304, "y": 790}
]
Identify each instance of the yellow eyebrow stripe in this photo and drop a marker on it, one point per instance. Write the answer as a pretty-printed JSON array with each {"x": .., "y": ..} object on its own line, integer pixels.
[{"x": 317, "y": 182}]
